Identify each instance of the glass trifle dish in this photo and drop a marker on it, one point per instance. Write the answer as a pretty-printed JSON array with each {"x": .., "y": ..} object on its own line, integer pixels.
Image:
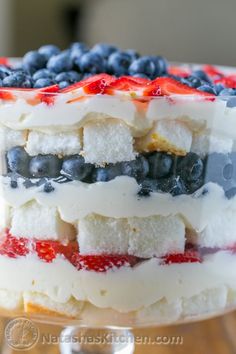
[{"x": 118, "y": 185}]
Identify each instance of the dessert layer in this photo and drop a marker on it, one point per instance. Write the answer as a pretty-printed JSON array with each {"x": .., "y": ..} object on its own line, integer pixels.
[
  {"x": 119, "y": 198},
  {"x": 150, "y": 280},
  {"x": 209, "y": 302},
  {"x": 63, "y": 115}
]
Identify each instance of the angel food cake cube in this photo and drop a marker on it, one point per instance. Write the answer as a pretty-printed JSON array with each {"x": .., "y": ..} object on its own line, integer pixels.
[
  {"x": 142, "y": 237},
  {"x": 107, "y": 141},
  {"x": 57, "y": 144},
  {"x": 33, "y": 220},
  {"x": 10, "y": 138},
  {"x": 167, "y": 135}
]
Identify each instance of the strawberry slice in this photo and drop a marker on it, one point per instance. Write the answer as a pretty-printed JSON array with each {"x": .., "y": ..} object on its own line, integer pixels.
[
  {"x": 93, "y": 84},
  {"x": 6, "y": 95},
  {"x": 212, "y": 71},
  {"x": 228, "y": 81},
  {"x": 14, "y": 247},
  {"x": 178, "y": 71},
  {"x": 48, "y": 250},
  {"x": 165, "y": 86},
  {"x": 190, "y": 256},
  {"x": 126, "y": 83},
  {"x": 4, "y": 61},
  {"x": 47, "y": 94},
  {"x": 101, "y": 263}
]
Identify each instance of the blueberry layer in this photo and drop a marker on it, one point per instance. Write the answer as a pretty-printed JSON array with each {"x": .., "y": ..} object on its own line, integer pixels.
[{"x": 155, "y": 172}]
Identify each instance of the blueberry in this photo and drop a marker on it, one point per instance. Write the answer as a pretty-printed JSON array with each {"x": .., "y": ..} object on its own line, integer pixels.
[
  {"x": 144, "y": 65},
  {"x": 0, "y": 83},
  {"x": 45, "y": 166},
  {"x": 190, "y": 167},
  {"x": 104, "y": 174},
  {"x": 70, "y": 76},
  {"x": 17, "y": 79},
  {"x": 43, "y": 74},
  {"x": 192, "y": 187},
  {"x": 192, "y": 81},
  {"x": 227, "y": 92},
  {"x": 230, "y": 193},
  {"x": 173, "y": 185},
  {"x": 2, "y": 75},
  {"x": 148, "y": 186},
  {"x": 207, "y": 88},
  {"x": 160, "y": 65},
  {"x": 118, "y": 63},
  {"x": 160, "y": 165},
  {"x": 104, "y": 49},
  {"x": 49, "y": 50},
  {"x": 201, "y": 75},
  {"x": 137, "y": 168},
  {"x": 5, "y": 70},
  {"x": 218, "y": 88},
  {"x": 219, "y": 169},
  {"x": 18, "y": 160},
  {"x": 74, "y": 167},
  {"x": 231, "y": 102},
  {"x": 79, "y": 46},
  {"x": 59, "y": 63},
  {"x": 43, "y": 83},
  {"x": 92, "y": 63},
  {"x": 33, "y": 61},
  {"x": 48, "y": 188},
  {"x": 64, "y": 84},
  {"x": 132, "y": 53}
]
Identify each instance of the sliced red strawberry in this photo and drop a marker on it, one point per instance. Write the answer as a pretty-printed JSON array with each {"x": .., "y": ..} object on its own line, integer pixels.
[
  {"x": 165, "y": 86},
  {"x": 4, "y": 61},
  {"x": 47, "y": 94},
  {"x": 190, "y": 256},
  {"x": 212, "y": 71},
  {"x": 126, "y": 83},
  {"x": 6, "y": 95},
  {"x": 93, "y": 83},
  {"x": 101, "y": 263},
  {"x": 178, "y": 71},
  {"x": 228, "y": 81},
  {"x": 14, "y": 247},
  {"x": 48, "y": 250}
]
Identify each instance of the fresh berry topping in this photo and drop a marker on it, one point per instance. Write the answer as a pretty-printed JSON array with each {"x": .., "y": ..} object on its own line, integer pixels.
[
  {"x": 104, "y": 50},
  {"x": 60, "y": 62},
  {"x": 40, "y": 83},
  {"x": 132, "y": 53},
  {"x": 228, "y": 81},
  {"x": 75, "y": 168},
  {"x": 102, "y": 263},
  {"x": 69, "y": 76},
  {"x": 144, "y": 65},
  {"x": 33, "y": 61},
  {"x": 91, "y": 62},
  {"x": 212, "y": 71},
  {"x": 48, "y": 51},
  {"x": 43, "y": 74},
  {"x": 118, "y": 63},
  {"x": 126, "y": 83},
  {"x": 18, "y": 160},
  {"x": 189, "y": 256},
  {"x": 160, "y": 165},
  {"x": 207, "y": 88},
  {"x": 17, "y": 79},
  {"x": 165, "y": 86},
  {"x": 45, "y": 166},
  {"x": 14, "y": 247},
  {"x": 47, "y": 94}
]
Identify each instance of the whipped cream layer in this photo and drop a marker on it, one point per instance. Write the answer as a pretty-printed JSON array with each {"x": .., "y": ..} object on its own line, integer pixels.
[
  {"x": 119, "y": 198},
  {"x": 66, "y": 114},
  {"x": 142, "y": 285}
]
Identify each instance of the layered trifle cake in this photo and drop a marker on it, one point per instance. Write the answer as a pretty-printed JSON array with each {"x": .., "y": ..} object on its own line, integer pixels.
[{"x": 118, "y": 185}]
